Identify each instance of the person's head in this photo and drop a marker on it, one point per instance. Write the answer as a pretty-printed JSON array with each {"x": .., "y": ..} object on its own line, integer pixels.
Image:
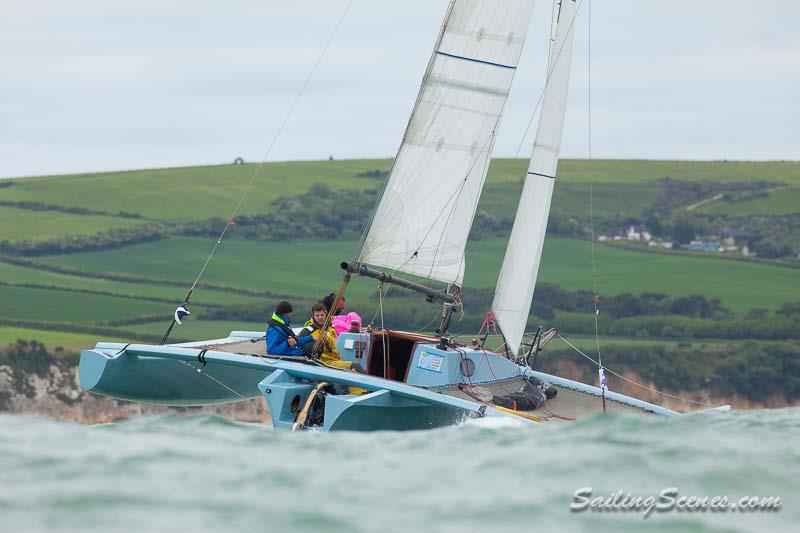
[
  {"x": 328, "y": 303},
  {"x": 318, "y": 313},
  {"x": 284, "y": 309}
]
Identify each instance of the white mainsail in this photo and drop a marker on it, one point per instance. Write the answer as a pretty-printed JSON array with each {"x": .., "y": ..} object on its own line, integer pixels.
[
  {"x": 424, "y": 217},
  {"x": 514, "y": 292}
]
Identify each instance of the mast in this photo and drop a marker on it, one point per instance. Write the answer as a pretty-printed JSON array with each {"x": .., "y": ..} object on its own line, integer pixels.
[{"x": 517, "y": 280}]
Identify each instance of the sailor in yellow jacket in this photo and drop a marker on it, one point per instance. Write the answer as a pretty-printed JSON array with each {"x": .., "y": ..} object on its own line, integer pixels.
[{"x": 330, "y": 355}]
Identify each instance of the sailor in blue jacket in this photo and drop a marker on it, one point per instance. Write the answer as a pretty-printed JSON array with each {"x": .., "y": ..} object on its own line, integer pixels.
[{"x": 281, "y": 340}]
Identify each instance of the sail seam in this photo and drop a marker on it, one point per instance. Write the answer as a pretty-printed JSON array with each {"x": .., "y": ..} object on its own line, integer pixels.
[{"x": 482, "y": 61}]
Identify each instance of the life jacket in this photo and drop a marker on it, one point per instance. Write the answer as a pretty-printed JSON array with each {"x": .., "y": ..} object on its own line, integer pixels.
[
  {"x": 329, "y": 353},
  {"x": 279, "y": 323}
]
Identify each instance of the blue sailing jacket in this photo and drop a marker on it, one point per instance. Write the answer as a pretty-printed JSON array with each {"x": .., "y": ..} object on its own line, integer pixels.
[{"x": 278, "y": 333}]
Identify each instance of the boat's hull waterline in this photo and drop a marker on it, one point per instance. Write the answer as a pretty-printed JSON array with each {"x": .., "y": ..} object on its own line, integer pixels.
[{"x": 428, "y": 386}]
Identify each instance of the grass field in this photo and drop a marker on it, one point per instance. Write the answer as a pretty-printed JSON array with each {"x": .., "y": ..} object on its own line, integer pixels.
[
  {"x": 781, "y": 201},
  {"x": 49, "y": 305},
  {"x": 192, "y": 193},
  {"x": 52, "y": 339},
  {"x": 637, "y": 171},
  {"x": 304, "y": 269},
  {"x": 24, "y": 224},
  {"x": 739, "y": 285},
  {"x": 572, "y": 198},
  {"x": 311, "y": 269},
  {"x": 199, "y": 328},
  {"x": 22, "y": 274}
]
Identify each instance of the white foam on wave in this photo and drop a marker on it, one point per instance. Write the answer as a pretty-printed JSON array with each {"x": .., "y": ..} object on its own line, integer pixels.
[{"x": 493, "y": 422}]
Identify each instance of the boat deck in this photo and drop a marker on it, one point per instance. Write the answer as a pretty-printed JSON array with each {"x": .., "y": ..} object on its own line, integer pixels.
[{"x": 569, "y": 403}]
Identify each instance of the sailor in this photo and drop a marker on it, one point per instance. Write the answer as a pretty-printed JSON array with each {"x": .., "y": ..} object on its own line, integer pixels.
[
  {"x": 281, "y": 340},
  {"x": 341, "y": 321},
  {"x": 328, "y": 303},
  {"x": 312, "y": 330}
]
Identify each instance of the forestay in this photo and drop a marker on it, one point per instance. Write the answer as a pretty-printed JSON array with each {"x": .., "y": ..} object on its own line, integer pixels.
[
  {"x": 424, "y": 217},
  {"x": 514, "y": 292}
]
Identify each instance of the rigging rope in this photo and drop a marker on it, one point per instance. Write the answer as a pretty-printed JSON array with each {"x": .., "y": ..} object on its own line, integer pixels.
[
  {"x": 261, "y": 164},
  {"x": 596, "y": 298},
  {"x": 424, "y": 328},
  {"x": 204, "y": 373},
  {"x": 630, "y": 380}
]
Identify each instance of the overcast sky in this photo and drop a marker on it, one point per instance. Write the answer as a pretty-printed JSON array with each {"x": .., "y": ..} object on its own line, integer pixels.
[{"x": 92, "y": 85}]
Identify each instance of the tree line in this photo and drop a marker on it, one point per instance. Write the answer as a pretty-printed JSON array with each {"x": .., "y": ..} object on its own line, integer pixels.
[
  {"x": 71, "y": 209},
  {"x": 647, "y": 315}
]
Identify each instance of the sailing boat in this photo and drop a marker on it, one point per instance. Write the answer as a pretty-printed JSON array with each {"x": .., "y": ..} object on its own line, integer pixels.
[{"x": 420, "y": 228}]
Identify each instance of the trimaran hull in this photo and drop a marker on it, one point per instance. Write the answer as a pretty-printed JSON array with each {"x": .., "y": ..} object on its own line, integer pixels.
[{"x": 435, "y": 393}]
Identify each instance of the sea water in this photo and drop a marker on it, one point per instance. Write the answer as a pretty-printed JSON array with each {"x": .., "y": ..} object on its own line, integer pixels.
[{"x": 204, "y": 473}]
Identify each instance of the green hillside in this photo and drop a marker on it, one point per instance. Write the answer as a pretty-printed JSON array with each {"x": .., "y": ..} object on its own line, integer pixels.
[
  {"x": 777, "y": 201},
  {"x": 188, "y": 193},
  {"x": 21, "y": 224},
  {"x": 54, "y": 305},
  {"x": 12, "y": 274},
  {"x": 127, "y": 285},
  {"x": 310, "y": 269},
  {"x": 110, "y": 255},
  {"x": 192, "y": 193}
]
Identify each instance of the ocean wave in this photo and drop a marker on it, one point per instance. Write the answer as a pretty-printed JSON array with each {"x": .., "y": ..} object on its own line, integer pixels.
[{"x": 208, "y": 473}]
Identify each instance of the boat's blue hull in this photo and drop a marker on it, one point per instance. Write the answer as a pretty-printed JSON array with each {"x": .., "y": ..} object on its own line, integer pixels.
[{"x": 186, "y": 375}]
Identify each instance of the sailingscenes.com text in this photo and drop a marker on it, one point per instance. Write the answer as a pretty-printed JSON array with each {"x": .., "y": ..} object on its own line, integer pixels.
[{"x": 670, "y": 500}]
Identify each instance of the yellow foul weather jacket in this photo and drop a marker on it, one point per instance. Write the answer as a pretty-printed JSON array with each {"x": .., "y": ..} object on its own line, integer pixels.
[{"x": 330, "y": 355}]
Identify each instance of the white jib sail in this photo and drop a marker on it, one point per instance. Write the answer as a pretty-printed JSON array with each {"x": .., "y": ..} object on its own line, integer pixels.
[
  {"x": 514, "y": 292},
  {"x": 424, "y": 217}
]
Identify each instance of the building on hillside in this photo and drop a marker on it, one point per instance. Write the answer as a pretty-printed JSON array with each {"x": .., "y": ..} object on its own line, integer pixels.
[
  {"x": 635, "y": 233},
  {"x": 658, "y": 243},
  {"x": 708, "y": 246},
  {"x": 632, "y": 235},
  {"x": 742, "y": 234}
]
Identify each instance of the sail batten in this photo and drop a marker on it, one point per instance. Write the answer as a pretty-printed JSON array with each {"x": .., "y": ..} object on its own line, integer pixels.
[
  {"x": 476, "y": 60},
  {"x": 423, "y": 219},
  {"x": 517, "y": 281}
]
